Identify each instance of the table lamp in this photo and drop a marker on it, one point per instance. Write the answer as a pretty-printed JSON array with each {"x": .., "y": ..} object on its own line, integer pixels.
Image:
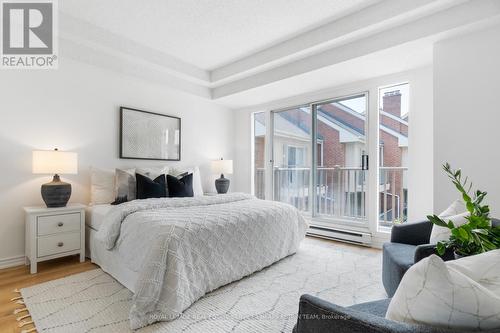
[
  {"x": 55, "y": 193},
  {"x": 222, "y": 167}
]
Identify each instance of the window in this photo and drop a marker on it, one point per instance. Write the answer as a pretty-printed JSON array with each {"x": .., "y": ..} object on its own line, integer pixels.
[
  {"x": 320, "y": 153},
  {"x": 295, "y": 156}
]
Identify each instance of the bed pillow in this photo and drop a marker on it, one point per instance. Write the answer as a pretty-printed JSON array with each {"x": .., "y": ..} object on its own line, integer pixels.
[
  {"x": 197, "y": 185},
  {"x": 152, "y": 172},
  {"x": 456, "y": 213},
  {"x": 149, "y": 188},
  {"x": 180, "y": 187},
  {"x": 461, "y": 294},
  {"x": 102, "y": 186},
  {"x": 125, "y": 184}
]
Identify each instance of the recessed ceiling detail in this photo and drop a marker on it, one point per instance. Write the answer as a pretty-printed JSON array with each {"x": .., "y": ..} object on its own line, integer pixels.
[{"x": 216, "y": 49}]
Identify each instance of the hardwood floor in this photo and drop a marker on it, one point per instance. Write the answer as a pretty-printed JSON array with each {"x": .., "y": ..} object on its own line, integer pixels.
[{"x": 20, "y": 277}]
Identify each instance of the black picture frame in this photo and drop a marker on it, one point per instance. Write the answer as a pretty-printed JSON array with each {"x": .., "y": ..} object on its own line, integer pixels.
[{"x": 123, "y": 109}]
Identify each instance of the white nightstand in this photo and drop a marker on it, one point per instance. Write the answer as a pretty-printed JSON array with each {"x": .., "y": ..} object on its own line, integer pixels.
[{"x": 53, "y": 233}]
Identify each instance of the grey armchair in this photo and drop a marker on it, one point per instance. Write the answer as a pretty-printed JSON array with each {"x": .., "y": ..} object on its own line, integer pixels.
[
  {"x": 409, "y": 244},
  {"x": 318, "y": 316}
]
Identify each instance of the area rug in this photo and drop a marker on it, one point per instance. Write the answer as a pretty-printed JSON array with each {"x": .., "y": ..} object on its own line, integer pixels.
[{"x": 266, "y": 301}]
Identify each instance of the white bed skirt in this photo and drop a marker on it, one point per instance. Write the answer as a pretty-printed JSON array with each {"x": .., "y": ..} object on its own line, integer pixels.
[{"x": 109, "y": 261}]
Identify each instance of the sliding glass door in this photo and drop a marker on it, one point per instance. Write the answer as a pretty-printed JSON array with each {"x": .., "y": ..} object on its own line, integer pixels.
[
  {"x": 319, "y": 158},
  {"x": 292, "y": 156},
  {"x": 341, "y": 159},
  {"x": 318, "y": 153}
]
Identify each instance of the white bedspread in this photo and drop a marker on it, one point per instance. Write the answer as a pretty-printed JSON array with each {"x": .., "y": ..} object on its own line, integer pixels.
[{"x": 186, "y": 247}]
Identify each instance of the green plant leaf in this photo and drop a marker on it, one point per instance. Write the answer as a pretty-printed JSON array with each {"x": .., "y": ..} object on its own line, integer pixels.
[
  {"x": 477, "y": 235},
  {"x": 437, "y": 220},
  {"x": 480, "y": 231},
  {"x": 441, "y": 248}
]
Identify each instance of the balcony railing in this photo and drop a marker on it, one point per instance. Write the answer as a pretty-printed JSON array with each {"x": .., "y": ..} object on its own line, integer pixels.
[
  {"x": 393, "y": 195},
  {"x": 341, "y": 192}
]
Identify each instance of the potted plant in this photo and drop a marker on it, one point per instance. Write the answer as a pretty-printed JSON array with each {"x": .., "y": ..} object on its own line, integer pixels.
[{"x": 477, "y": 235}]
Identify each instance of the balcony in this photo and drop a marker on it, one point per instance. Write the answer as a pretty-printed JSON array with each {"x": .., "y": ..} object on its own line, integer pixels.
[{"x": 341, "y": 192}]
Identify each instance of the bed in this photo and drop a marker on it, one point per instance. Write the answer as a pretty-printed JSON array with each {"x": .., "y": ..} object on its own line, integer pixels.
[{"x": 172, "y": 251}]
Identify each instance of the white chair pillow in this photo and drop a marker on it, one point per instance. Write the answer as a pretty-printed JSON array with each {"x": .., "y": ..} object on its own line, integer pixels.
[
  {"x": 102, "y": 186},
  {"x": 462, "y": 294},
  {"x": 457, "y": 207},
  {"x": 456, "y": 212},
  {"x": 439, "y": 233}
]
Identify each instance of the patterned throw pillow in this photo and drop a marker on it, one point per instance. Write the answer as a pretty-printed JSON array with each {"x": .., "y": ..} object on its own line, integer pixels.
[
  {"x": 119, "y": 200},
  {"x": 461, "y": 294},
  {"x": 125, "y": 184}
]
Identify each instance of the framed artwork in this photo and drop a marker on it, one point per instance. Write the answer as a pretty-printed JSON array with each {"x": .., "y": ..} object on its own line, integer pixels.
[{"x": 149, "y": 136}]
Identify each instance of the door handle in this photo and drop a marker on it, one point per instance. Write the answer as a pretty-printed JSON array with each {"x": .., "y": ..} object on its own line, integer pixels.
[{"x": 364, "y": 162}]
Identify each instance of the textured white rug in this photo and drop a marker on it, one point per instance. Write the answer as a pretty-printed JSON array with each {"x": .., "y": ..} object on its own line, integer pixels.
[{"x": 266, "y": 301}]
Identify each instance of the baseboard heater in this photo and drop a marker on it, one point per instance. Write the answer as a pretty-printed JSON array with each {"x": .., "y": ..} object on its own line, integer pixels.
[{"x": 349, "y": 236}]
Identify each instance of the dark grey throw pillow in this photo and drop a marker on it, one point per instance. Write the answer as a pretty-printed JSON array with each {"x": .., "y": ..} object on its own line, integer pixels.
[
  {"x": 180, "y": 187},
  {"x": 149, "y": 188}
]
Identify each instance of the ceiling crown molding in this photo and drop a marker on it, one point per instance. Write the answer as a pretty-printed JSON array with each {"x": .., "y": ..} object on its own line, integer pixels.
[
  {"x": 380, "y": 26},
  {"x": 377, "y": 17},
  {"x": 467, "y": 13}
]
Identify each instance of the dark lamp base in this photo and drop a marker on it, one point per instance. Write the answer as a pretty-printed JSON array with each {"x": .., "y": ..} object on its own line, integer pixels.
[
  {"x": 56, "y": 193},
  {"x": 222, "y": 185}
]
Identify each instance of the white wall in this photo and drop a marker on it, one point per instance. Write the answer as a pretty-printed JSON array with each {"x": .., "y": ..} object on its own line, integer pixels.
[
  {"x": 467, "y": 114},
  {"x": 76, "y": 108},
  {"x": 420, "y": 158}
]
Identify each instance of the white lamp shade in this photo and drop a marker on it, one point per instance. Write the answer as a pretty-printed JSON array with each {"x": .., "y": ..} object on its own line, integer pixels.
[
  {"x": 222, "y": 167},
  {"x": 55, "y": 162}
]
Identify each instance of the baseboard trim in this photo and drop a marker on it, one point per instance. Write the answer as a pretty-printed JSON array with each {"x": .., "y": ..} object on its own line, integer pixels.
[{"x": 11, "y": 262}]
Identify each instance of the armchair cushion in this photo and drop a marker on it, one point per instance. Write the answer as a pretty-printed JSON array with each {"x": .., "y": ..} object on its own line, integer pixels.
[
  {"x": 378, "y": 308},
  {"x": 317, "y": 316},
  {"x": 320, "y": 316}
]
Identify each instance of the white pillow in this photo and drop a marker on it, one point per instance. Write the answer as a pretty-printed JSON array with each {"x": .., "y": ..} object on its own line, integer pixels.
[
  {"x": 457, "y": 213},
  {"x": 152, "y": 172},
  {"x": 457, "y": 207},
  {"x": 439, "y": 234},
  {"x": 102, "y": 186},
  {"x": 461, "y": 294},
  {"x": 197, "y": 185}
]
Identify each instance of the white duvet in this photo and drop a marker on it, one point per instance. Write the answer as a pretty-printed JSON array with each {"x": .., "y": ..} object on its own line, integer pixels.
[{"x": 183, "y": 248}]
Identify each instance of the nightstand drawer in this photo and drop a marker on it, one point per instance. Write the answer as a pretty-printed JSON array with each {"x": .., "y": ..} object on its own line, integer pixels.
[
  {"x": 58, "y": 243},
  {"x": 58, "y": 223}
]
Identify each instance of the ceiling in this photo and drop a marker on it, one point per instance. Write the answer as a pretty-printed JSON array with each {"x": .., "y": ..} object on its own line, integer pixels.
[
  {"x": 209, "y": 33},
  {"x": 242, "y": 53},
  {"x": 398, "y": 59}
]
